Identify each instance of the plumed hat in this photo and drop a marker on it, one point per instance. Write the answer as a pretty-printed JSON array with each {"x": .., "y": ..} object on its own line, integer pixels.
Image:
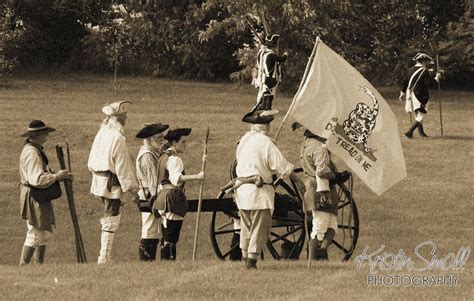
[
  {"x": 115, "y": 108},
  {"x": 176, "y": 134},
  {"x": 37, "y": 127},
  {"x": 151, "y": 129}
]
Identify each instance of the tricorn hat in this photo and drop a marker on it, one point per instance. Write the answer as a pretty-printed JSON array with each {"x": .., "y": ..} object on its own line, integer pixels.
[
  {"x": 115, "y": 108},
  {"x": 151, "y": 129},
  {"x": 259, "y": 117},
  {"x": 176, "y": 134},
  {"x": 37, "y": 127},
  {"x": 422, "y": 57}
]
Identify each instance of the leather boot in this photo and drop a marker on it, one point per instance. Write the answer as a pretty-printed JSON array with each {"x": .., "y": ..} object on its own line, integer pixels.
[
  {"x": 251, "y": 263},
  {"x": 327, "y": 241},
  {"x": 421, "y": 131},
  {"x": 152, "y": 248},
  {"x": 172, "y": 251},
  {"x": 142, "y": 252},
  {"x": 236, "y": 252},
  {"x": 26, "y": 254},
  {"x": 40, "y": 252},
  {"x": 165, "y": 252},
  {"x": 409, "y": 134}
]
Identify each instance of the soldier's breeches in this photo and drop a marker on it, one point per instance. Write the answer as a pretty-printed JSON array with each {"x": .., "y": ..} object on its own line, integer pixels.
[
  {"x": 419, "y": 116},
  {"x": 151, "y": 226},
  {"x": 36, "y": 237},
  {"x": 255, "y": 230},
  {"x": 321, "y": 222}
]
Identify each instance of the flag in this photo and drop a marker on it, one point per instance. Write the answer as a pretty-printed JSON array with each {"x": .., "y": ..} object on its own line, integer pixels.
[{"x": 336, "y": 102}]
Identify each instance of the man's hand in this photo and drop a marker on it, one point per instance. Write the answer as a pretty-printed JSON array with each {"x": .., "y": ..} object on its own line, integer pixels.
[
  {"x": 402, "y": 96},
  {"x": 200, "y": 176},
  {"x": 63, "y": 175}
]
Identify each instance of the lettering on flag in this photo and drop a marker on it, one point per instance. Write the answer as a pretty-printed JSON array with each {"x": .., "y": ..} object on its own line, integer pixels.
[{"x": 337, "y": 103}]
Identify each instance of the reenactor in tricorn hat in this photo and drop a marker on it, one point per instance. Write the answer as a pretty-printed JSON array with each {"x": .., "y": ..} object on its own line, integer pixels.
[
  {"x": 320, "y": 195},
  {"x": 39, "y": 186},
  {"x": 415, "y": 91},
  {"x": 147, "y": 173},
  {"x": 113, "y": 176},
  {"x": 257, "y": 156},
  {"x": 171, "y": 202},
  {"x": 268, "y": 72}
]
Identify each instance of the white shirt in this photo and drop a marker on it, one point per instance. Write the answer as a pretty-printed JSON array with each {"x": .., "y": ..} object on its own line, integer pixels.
[
  {"x": 258, "y": 155},
  {"x": 109, "y": 152}
]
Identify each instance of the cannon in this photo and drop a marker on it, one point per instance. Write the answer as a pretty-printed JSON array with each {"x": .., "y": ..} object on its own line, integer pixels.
[{"x": 287, "y": 237}]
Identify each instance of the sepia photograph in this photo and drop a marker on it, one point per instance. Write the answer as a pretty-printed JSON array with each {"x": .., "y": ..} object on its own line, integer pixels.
[{"x": 236, "y": 149}]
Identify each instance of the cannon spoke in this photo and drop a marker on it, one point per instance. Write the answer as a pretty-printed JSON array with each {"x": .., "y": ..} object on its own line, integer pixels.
[
  {"x": 225, "y": 225},
  {"x": 226, "y": 231},
  {"x": 347, "y": 227},
  {"x": 228, "y": 252},
  {"x": 340, "y": 247},
  {"x": 280, "y": 237}
]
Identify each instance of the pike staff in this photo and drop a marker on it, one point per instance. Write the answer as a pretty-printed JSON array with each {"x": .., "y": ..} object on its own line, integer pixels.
[{"x": 204, "y": 160}]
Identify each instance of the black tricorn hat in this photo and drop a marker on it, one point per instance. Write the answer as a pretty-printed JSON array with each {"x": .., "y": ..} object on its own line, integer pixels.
[
  {"x": 151, "y": 129},
  {"x": 37, "y": 127},
  {"x": 258, "y": 117},
  {"x": 176, "y": 134}
]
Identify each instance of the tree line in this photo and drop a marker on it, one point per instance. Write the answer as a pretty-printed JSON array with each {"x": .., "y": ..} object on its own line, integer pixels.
[{"x": 212, "y": 39}]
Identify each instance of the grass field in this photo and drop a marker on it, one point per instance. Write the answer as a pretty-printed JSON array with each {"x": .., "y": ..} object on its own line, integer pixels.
[{"x": 435, "y": 201}]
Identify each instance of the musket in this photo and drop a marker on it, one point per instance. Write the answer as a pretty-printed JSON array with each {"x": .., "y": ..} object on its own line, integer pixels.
[
  {"x": 254, "y": 31},
  {"x": 203, "y": 168},
  {"x": 80, "y": 251}
]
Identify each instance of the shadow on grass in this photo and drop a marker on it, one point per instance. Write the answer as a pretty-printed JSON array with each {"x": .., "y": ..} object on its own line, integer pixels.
[{"x": 463, "y": 138}]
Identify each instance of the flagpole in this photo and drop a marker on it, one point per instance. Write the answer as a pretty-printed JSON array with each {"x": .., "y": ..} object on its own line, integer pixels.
[{"x": 306, "y": 71}]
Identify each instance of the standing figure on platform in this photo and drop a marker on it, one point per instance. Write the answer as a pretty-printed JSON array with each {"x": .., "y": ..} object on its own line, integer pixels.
[
  {"x": 113, "y": 177},
  {"x": 147, "y": 173},
  {"x": 268, "y": 72},
  {"x": 415, "y": 91},
  {"x": 39, "y": 186}
]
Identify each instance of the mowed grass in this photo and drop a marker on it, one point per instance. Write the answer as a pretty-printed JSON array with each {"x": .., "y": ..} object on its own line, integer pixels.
[{"x": 434, "y": 202}]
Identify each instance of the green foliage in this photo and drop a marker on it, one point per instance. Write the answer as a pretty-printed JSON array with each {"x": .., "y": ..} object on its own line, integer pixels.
[
  {"x": 211, "y": 39},
  {"x": 10, "y": 33}
]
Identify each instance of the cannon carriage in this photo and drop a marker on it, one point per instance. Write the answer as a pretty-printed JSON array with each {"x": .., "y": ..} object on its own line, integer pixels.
[{"x": 288, "y": 234}]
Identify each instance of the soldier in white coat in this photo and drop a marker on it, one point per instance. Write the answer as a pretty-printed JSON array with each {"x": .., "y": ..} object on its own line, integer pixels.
[
  {"x": 257, "y": 155},
  {"x": 113, "y": 176}
]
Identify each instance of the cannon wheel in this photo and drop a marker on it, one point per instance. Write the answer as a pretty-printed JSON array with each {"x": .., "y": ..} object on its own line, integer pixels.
[{"x": 287, "y": 236}]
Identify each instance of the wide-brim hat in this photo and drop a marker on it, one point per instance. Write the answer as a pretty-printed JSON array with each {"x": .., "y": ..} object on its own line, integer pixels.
[
  {"x": 176, "y": 134},
  {"x": 260, "y": 117},
  {"x": 115, "y": 108},
  {"x": 149, "y": 130},
  {"x": 37, "y": 127},
  {"x": 422, "y": 57}
]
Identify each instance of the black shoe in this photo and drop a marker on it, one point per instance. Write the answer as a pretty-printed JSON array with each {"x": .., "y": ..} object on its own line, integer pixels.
[
  {"x": 251, "y": 263},
  {"x": 321, "y": 255},
  {"x": 409, "y": 134},
  {"x": 421, "y": 131},
  {"x": 165, "y": 252}
]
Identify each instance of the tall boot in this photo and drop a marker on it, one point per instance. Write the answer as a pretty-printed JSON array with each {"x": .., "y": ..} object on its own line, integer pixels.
[
  {"x": 421, "y": 131},
  {"x": 327, "y": 241},
  {"x": 152, "y": 248},
  {"x": 172, "y": 251},
  {"x": 268, "y": 102},
  {"x": 165, "y": 252},
  {"x": 26, "y": 254},
  {"x": 142, "y": 252},
  {"x": 236, "y": 252},
  {"x": 409, "y": 134},
  {"x": 39, "y": 254}
]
